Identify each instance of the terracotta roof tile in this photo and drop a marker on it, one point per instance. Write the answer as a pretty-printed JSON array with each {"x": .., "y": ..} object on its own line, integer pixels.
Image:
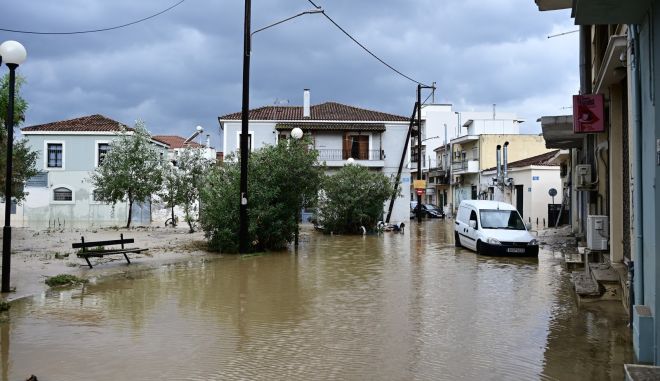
[
  {"x": 329, "y": 126},
  {"x": 91, "y": 123},
  {"x": 175, "y": 141},
  {"x": 541, "y": 160},
  {"x": 325, "y": 111}
]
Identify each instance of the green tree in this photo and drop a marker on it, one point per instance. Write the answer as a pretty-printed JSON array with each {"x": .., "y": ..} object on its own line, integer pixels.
[
  {"x": 131, "y": 170},
  {"x": 24, "y": 160},
  {"x": 282, "y": 179},
  {"x": 182, "y": 183},
  {"x": 353, "y": 197}
]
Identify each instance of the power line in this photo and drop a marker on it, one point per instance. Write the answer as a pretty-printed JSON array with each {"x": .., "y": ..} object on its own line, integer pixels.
[
  {"x": 365, "y": 48},
  {"x": 562, "y": 34},
  {"x": 96, "y": 30}
]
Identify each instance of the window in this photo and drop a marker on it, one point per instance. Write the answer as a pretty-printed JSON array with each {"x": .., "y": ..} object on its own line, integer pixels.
[
  {"x": 62, "y": 194},
  {"x": 12, "y": 207},
  {"x": 55, "y": 155},
  {"x": 95, "y": 195},
  {"x": 101, "y": 150},
  {"x": 249, "y": 141},
  {"x": 473, "y": 217},
  {"x": 356, "y": 146}
]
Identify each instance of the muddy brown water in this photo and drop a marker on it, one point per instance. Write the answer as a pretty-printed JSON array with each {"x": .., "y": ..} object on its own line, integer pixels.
[{"x": 393, "y": 307}]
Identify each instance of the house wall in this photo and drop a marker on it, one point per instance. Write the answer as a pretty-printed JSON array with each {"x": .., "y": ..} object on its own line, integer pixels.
[
  {"x": 391, "y": 141},
  {"x": 263, "y": 133},
  {"x": 79, "y": 161},
  {"x": 536, "y": 182},
  {"x": 649, "y": 280},
  {"x": 520, "y": 147}
]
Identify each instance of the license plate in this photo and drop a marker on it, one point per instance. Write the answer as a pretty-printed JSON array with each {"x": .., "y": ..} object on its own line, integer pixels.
[{"x": 515, "y": 250}]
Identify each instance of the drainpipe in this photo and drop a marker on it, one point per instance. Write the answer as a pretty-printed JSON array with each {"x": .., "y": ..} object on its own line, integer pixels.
[
  {"x": 505, "y": 174},
  {"x": 498, "y": 161},
  {"x": 638, "y": 201}
]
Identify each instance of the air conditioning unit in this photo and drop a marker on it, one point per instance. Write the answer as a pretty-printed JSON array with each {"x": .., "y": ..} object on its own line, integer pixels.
[
  {"x": 598, "y": 231},
  {"x": 583, "y": 177}
]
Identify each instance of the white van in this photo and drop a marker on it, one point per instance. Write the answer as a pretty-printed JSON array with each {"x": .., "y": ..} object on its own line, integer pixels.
[{"x": 493, "y": 228}]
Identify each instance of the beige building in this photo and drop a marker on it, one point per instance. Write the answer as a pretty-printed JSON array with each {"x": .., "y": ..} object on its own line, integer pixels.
[
  {"x": 472, "y": 154},
  {"x": 528, "y": 186}
]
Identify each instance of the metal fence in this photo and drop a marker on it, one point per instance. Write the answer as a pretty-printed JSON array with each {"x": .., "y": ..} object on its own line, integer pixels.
[{"x": 339, "y": 154}]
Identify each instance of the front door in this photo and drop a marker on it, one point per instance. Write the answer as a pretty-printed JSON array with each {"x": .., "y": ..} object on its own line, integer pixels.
[{"x": 519, "y": 198}]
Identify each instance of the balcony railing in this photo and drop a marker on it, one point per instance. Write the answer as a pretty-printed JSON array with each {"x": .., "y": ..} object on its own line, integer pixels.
[{"x": 339, "y": 154}]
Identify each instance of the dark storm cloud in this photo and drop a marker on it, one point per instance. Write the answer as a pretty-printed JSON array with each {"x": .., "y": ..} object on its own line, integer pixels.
[{"x": 183, "y": 68}]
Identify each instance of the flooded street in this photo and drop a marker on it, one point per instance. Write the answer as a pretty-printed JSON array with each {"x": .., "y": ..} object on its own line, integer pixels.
[{"x": 394, "y": 307}]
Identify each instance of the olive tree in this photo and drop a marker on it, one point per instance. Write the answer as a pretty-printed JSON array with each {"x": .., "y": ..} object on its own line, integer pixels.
[
  {"x": 131, "y": 171},
  {"x": 182, "y": 182},
  {"x": 281, "y": 180},
  {"x": 352, "y": 198}
]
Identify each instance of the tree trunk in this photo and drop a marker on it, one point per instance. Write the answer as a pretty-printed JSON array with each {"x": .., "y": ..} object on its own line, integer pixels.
[
  {"x": 130, "y": 212},
  {"x": 186, "y": 210},
  {"x": 173, "y": 221}
]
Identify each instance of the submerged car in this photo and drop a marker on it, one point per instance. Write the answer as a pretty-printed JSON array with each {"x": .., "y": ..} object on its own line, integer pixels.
[
  {"x": 433, "y": 211},
  {"x": 493, "y": 228}
]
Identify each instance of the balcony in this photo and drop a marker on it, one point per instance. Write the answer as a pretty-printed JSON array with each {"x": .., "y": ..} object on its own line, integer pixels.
[
  {"x": 465, "y": 166},
  {"x": 338, "y": 157}
]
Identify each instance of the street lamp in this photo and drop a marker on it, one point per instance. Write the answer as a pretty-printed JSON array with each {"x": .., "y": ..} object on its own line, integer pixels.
[
  {"x": 350, "y": 161},
  {"x": 296, "y": 134},
  {"x": 13, "y": 54},
  {"x": 243, "y": 245}
]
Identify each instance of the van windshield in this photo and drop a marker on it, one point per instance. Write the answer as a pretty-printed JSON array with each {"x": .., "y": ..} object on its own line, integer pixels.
[{"x": 501, "y": 219}]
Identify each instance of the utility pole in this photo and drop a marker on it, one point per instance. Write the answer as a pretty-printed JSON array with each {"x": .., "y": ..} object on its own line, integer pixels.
[
  {"x": 419, "y": 149},
  {"x": 243, "y": 244}
]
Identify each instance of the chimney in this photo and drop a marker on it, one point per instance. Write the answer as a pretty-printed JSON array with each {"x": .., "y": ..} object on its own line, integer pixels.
[
  {"x": 208, "y": 141},
  {"x": 506, "y": 159},
  {"x": 499, "y": 162},
  {"x": 306, "y": 108}
]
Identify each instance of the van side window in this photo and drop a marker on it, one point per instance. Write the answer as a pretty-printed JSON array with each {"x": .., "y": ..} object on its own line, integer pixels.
[{"x": 473, "y": 216}]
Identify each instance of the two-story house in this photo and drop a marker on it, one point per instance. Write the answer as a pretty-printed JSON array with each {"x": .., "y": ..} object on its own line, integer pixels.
[
  {"x": 372, "y": 139},
  {"x": 61, "y": 195}
]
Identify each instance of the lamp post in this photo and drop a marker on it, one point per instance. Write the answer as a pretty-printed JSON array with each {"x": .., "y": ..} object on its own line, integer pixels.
[
  {"x": 13, "y": 54},
  {"x": 296, "y": 134},
  {"x": 243, "y": 245}
]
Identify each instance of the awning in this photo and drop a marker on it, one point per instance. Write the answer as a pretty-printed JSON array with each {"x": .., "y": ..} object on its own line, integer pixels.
[
  {"x": 551, "y": 5},
  {"x": 558, "y": 132},
  {"x": 612, "y": 70},
  {"x": 330, "y": 126},
  {"x": 601, "y": 12}
]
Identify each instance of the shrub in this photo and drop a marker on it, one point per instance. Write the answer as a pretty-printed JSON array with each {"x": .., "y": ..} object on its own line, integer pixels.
[
  {"x": 282, "y": 179},
  {"x": 353, "y": 197},
  {"x": 64, "y": 280}
]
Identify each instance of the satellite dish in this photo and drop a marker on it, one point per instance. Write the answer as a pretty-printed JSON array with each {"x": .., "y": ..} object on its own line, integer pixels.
[{"x": 552, "y": 192}]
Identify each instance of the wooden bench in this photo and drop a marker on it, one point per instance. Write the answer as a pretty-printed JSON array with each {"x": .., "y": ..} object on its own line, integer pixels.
[{"x": 85, "y": 253}]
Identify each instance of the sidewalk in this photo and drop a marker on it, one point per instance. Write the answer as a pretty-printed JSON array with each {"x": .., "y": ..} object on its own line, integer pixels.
[{"x": 37, "y": 255}]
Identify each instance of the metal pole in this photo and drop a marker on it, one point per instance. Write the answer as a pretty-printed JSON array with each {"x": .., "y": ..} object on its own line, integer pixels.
[
  {"x": 243, "y": 244},
  {"x": 6, "y": 231},
  {"x": 419, "y": 149}
]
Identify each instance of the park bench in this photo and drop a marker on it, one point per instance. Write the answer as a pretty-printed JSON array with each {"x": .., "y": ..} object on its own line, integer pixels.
[{"x": 100, "y": 251}]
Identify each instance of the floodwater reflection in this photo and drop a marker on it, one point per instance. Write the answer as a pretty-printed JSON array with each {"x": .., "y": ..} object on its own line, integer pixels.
[{"x": 393, "y": 307}]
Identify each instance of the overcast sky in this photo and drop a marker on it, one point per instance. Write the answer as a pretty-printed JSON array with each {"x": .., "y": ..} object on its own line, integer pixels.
[{"x": 184, "y": 68}]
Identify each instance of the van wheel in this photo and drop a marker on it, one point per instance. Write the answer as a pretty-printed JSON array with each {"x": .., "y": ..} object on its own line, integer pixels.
[{"x": 457, "y": 241}]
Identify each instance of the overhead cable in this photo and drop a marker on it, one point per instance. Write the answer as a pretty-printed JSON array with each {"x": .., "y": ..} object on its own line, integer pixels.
[
  {"x": 365, "y": 48},
  {"x": 95, "y": 30}
]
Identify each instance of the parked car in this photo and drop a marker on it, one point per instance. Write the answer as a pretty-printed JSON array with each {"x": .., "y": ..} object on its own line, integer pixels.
[
  {"x": 433, "y": 211},
  {"x": 428, "y": 210},
  {"x": 493, "y": 228}
]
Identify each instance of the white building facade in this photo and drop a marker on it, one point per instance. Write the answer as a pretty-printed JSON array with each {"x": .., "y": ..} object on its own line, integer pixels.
[
  {"x": 372, "y": 139},
  {"x": 61, "y": 195}
]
